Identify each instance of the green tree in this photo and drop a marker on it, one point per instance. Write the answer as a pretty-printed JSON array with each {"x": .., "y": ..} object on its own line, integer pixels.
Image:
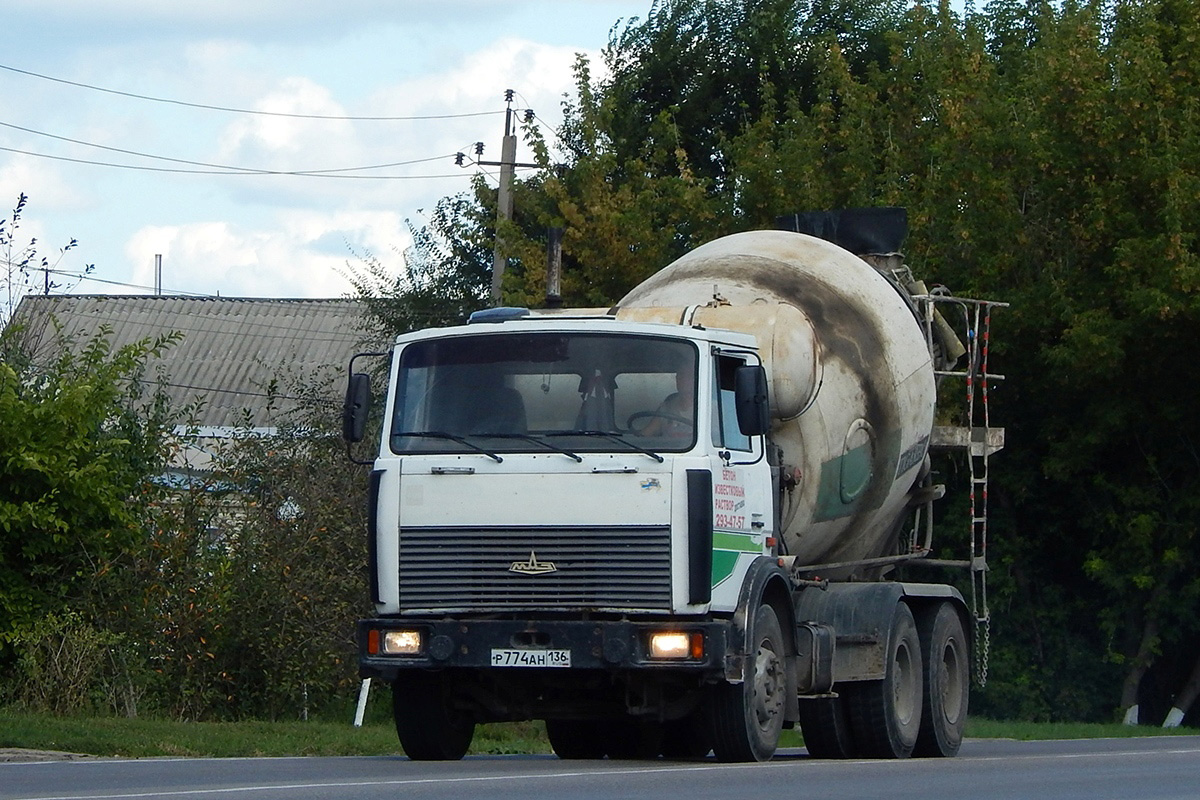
[
  {"x": 78, "y": 444},
  {"x": 445, "y": 274},
  {"x": 621, "y": 220},
  {"x": 701, "y": 67}
]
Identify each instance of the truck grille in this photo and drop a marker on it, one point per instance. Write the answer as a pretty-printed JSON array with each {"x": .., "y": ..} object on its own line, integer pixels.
[{"x": 594, "y": 568}]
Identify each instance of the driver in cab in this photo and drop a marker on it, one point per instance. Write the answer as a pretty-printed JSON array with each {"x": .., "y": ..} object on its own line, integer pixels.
[{"x": 673, "y": 417}]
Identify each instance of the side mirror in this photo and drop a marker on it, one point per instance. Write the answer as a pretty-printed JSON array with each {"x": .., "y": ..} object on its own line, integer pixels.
[
  {"x": 750, "y": 400},
  {"x": 357, "y": 407}
]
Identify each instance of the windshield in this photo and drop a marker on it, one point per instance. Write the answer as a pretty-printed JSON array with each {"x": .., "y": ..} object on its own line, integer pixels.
[{"x": 545, "y": 393}]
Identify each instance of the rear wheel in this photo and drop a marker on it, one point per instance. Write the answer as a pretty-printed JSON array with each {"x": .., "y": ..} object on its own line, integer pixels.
[
  {"x": 885, "y": 715},
  {"x": 826, "y": 728},
  {"x": 428, "y": 727},
  {"x": 746, "y": 718},
  {"x": 947, "y": 681}
]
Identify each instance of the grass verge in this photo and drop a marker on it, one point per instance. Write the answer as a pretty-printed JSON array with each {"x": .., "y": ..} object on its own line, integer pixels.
[{"x": 141, "y": 738}]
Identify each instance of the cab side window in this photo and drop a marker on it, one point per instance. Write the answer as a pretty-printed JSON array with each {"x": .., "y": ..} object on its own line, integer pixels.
[{"x": 725, "y": 425}]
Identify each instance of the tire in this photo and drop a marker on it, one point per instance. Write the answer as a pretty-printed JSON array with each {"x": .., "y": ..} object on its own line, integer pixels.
[
  {"x": 686, "y": 739},
  {"x": 578, "y": 738},
  {"x": 428, "y": 727},
  {"x": 746, "y": 718},
  {"x": 885, "y": 715},
  {"x": 826, "y": 728},
  {"x": 947, "y": 681}
]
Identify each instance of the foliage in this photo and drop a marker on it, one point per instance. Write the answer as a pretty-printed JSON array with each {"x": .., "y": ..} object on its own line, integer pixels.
[
  {"x": 615, "y": 232},
  {"x": 20, "y": 262},
  {"x": 446, "y": 273},
  {"x": 242, "y": 599},
  {"x": 299, "y": 576},
  {"x": 77, "y": 443},
  {"x": 145, "y": 570},
  {"x": 696, "y": 72},
  {"x": 67, "y": 666}
]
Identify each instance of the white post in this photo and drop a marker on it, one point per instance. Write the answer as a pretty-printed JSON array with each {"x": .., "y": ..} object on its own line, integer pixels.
[{"x": 363, "y": 691}]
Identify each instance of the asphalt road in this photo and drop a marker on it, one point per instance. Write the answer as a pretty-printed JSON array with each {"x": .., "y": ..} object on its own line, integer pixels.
[{"x": 1166, "y": 768}]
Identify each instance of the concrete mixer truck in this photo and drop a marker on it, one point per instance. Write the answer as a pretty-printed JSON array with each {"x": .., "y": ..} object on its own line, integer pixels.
[{"x": 674, "y": 526}]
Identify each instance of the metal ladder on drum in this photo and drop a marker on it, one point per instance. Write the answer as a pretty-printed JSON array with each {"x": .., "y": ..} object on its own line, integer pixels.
[
  {"x": 981, "y": 446},
  {"x": 980, "y": 440}
]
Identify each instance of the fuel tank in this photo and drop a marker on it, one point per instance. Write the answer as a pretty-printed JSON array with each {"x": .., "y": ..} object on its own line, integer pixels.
[{"x": 851, "y": 379}]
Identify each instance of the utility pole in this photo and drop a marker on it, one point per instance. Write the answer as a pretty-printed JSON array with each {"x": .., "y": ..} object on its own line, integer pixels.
[
  {"x": 504, "y": 198},
  {"x": 504, "y": 201}
]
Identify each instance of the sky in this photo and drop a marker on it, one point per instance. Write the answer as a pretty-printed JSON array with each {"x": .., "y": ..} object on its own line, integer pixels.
[{"x": 69, "y": 70}]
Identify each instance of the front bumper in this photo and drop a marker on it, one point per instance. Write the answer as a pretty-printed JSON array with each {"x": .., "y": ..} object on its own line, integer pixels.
[{"x": 594, "y": 645}]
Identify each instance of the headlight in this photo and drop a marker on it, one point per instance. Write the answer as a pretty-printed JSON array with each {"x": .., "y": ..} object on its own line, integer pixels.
[
  {"x": 676, "y": 644},
  {"x": 401, "y": 643}
]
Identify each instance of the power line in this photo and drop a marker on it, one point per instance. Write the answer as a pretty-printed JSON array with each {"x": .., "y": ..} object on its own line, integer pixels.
[
  {"x": 119, "y": 283},
  {"x": 251, "y": 170},
  {"x": 232, "y": 110},
  {"x": 232, "y": 171}
]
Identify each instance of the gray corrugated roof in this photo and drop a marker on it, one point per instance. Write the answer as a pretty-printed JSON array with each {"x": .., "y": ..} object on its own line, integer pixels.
[{"x": 231, "y": 347}]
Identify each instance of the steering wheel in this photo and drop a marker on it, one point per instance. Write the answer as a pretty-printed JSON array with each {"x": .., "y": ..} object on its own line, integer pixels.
[{"x": 640, "y": 415}]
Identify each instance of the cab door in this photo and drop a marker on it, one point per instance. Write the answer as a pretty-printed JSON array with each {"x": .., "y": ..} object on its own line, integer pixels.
[{"x": 741, "y": 482}]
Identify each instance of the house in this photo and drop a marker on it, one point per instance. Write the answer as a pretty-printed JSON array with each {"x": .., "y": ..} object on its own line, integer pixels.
[{"x": 237, "y": 361}]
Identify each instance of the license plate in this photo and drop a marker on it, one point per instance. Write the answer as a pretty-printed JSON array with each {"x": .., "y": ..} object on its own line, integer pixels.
[{"x": 513, "y": 657}]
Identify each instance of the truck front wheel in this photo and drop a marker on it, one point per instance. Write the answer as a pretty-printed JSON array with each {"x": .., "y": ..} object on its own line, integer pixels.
[
  {"x": 429, "y": 728},
  {"x": 747, "y": 717}
]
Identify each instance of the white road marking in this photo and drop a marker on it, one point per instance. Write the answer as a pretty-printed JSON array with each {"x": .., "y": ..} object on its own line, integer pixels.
[{"x": 647, "y": 770}]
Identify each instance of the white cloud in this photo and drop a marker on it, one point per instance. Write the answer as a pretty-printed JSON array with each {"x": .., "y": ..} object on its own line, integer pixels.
[
  {"x": 275, "y": 142},
  {"x": 45, "y": 185},
  {"x": 304, "y": 255}
]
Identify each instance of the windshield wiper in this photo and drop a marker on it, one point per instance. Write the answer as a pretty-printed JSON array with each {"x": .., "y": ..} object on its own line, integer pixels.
[
  {"x": 452, "y": 437},
  {"x": 528, "y": 438},
  {"x": 612, "y": 436}
]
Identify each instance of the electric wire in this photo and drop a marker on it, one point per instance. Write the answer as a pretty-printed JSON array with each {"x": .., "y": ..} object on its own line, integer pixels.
[
  {"x": 256, "y": 112},
  {"x": 252, "y": 170},
  {"x": 182, "y": 171}
]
